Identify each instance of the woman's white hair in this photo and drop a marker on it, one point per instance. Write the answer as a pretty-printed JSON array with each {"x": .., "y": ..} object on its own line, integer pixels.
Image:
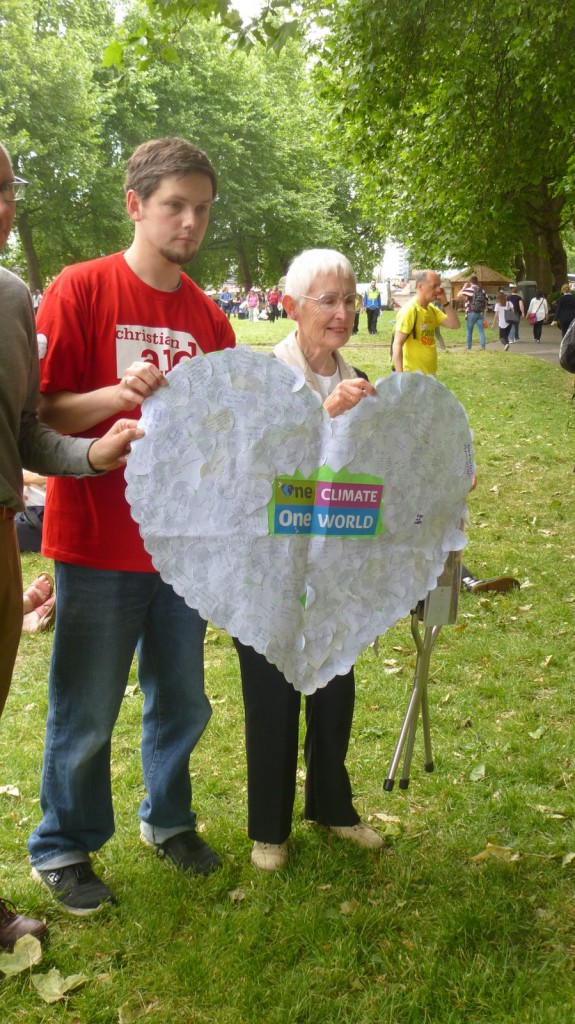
[{"x": 311, "y": 262}]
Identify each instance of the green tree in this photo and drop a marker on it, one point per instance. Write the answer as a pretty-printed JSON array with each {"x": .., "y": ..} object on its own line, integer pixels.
[
  {"x": 72, "y": 122},
  {"x": 67, "y": 126},
  {"x": 49, "y": 122},
  {"x": 258, "y": 120},
  {"x": 456, "y": 117}
]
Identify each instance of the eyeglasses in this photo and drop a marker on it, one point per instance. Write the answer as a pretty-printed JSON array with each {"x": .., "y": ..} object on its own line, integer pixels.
[
  {"x": 13, "y": 191},
  {"x": 329, "y": 301}
]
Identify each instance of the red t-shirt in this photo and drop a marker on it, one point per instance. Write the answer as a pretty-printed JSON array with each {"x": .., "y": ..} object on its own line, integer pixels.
[{"x": 93, "y": 322}]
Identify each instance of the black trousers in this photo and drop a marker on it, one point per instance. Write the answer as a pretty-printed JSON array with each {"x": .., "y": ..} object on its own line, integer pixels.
[
  {"x": 537, "y": 329},
  {"x": 372, "y": 315},
  {"x": 272, "y": 708},
  {"x": 504, "y": 334}
]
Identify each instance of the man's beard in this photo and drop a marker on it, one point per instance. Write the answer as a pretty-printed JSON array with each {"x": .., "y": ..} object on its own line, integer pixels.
[{"x": 179, "y": 258}]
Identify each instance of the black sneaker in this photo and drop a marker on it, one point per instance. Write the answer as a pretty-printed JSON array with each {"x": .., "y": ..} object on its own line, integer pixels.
[
  {"x": 188, "y": 851},
  {"x": 76, "y": 888}
]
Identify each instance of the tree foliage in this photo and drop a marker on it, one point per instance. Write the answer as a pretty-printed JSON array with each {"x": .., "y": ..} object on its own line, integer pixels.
[
  {"x": 457, "y": 115},
  {"x": 65, "y": 129},
  {"x": 257, "y": 119},
  {"x": 154, "y": 35},
  {"x": 72, "y": 121}
]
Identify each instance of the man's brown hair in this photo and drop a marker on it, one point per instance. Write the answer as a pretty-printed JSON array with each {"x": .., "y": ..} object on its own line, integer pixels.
[{"x": 157, "y": 159}]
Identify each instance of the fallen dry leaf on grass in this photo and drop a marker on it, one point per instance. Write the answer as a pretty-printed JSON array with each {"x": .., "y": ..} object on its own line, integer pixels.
[
  {"x": 9, "y": 791},
  {"x": 129, "y": 1013},
  {"x": 27, "y": 952},
  {"x": 236, "y": 895},
  {"x": 543, "y": 809},
  {"x": 503, "y": 853},
  {"x": 52, "y": 987},
  {"x": 348, "y": 908}
]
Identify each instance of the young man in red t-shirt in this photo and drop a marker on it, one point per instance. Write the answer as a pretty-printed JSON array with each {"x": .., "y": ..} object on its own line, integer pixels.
[{"x": 108, "y": 331}]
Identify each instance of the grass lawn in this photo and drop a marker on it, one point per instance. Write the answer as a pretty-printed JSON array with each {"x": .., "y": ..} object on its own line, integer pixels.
[{"x": 425, "y": 933}]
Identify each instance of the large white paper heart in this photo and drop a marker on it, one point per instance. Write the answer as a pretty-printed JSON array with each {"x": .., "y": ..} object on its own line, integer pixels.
[{"x": 240, "y": 462}]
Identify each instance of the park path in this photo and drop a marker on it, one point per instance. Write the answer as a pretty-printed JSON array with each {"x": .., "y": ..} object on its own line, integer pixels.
[{"x": 548, "y": 349}]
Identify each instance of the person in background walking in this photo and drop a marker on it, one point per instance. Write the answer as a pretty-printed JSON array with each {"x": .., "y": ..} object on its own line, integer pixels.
[
  {"x": 502, "y": 306},
  {"x": 537, "y": 314},
  {"x": 475, "y": 306},
  {"x": 516, "y": 300},
  {"x": 565, "y": 311}
]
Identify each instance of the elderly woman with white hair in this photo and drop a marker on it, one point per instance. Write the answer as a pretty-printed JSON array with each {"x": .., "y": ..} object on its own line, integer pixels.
[{"x": 320, "y": 293}]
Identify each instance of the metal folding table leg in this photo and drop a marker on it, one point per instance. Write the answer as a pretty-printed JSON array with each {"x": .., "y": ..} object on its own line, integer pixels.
[
  {"x": 417, "y": 702},
  {"x": 438, "y": 609}
]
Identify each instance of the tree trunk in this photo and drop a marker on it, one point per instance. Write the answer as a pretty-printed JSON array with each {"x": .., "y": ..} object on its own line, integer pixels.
[
  {"x": 519, "y": 265},
  {"x": 25, "y": 232},
  {"x": 557, "y": 260},
  {"x": 244, "y": 266},
  {"x": 536, "y": 266},
  {"x": 545, "y": 256}
]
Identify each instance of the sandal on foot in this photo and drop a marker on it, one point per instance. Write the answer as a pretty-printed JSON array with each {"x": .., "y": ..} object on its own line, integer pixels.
[
  {"x": 41, "y": 618},
  {"x": 39, "y": 591}
]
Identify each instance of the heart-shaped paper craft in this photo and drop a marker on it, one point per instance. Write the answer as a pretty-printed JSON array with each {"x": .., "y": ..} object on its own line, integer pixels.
[{"x": 304, "y": 536}]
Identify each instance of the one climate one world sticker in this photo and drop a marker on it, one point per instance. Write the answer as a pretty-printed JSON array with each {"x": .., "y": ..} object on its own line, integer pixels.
[{"x": 330, "y": 508}]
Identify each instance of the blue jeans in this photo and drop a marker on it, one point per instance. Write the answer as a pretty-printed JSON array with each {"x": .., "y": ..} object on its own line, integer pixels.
[
  {"x": 103, "y": 618},
  {"x": 472, "y": 320}
]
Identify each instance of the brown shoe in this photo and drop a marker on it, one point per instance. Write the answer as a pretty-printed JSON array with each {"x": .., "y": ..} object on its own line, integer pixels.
[
  {"x": 500, "y": 584},
  {"x": 14, "y": 925}
]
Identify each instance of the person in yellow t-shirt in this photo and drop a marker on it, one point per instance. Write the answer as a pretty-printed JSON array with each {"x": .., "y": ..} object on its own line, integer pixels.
[
  {"x": 415, "y": 350},
  {"x": 414, "y": 341}
]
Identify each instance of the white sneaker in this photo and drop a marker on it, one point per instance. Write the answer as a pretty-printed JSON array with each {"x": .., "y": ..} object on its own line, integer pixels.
[
  {"x": 362, "y": 834},
  {"x": 270, "y": 856}
]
